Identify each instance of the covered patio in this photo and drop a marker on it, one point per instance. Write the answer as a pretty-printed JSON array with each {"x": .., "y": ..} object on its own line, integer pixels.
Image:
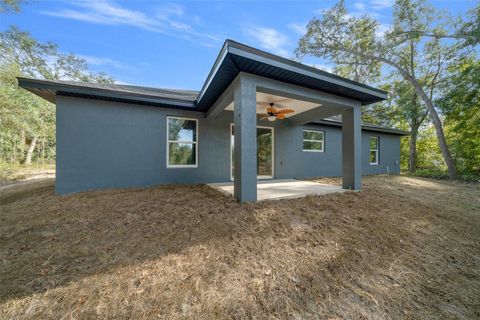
[
  {"x": 311, "y": 93},
  {"x": 282, "y": 189}
]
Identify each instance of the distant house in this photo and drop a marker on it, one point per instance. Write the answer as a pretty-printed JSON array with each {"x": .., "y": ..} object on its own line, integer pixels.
[{"x": 257, "y": 116}]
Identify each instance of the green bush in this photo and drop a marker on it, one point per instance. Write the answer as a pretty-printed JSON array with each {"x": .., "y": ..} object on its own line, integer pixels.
[
  {"x": 437, "y": 173},
  {"x": 8, "y": 172}
]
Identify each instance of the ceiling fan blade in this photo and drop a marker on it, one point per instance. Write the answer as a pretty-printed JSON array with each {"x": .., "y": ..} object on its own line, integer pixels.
[
  {"x": 263, "y": 116},
  {"x": 285, "y": 111},
  {"x": 280, "y": 116},
  {"x": 281, "y": 106}
]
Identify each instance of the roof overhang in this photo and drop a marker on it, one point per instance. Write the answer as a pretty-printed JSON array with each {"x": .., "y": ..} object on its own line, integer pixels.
[
  {"x": 236, "y": 57},
  {"x": 49, "y": 89},
  {"x": 233, "y": 59},
  {"x": 365, "y": 126}
]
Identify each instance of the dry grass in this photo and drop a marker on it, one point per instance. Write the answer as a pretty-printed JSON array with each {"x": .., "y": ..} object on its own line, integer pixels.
[
  {"x": 403, "y": 248},
  {"x": 10, "y": 173}
]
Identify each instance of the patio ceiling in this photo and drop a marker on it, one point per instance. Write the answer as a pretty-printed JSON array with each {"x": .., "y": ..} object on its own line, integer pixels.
[{"x": 263, "y": 99}]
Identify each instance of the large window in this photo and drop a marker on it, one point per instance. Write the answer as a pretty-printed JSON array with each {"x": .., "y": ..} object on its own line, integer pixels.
[
  {"x": 313, "y": 140},
  {"x": 181, "y": 143},
  {"x": 374, "y": 150}
]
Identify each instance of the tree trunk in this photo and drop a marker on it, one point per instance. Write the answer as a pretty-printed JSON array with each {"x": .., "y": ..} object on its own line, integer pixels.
[
  {"x": 31, "y": 148},
  {"x": 21, "y": 145},
  {"x": 412, "y": 160},
  {"x": 437, "y": 123}
]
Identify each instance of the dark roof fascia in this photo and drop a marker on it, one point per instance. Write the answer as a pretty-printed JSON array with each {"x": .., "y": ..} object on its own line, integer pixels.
[
  {"x": 236, "y": 48},
  {"x": 216, "y": 65},
  {"x": 365, "y": 126},
  {"x": 101, "y": 94},
  {"x": 250, "y": 52},
  {"x": 47, "y": 89}
]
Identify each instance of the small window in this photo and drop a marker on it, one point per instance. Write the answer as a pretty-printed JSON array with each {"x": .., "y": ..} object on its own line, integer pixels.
[
  {"x": 313, "y": 141},
  {"x": 181, "y": 143},
  {"x": 374, "y": 150}
]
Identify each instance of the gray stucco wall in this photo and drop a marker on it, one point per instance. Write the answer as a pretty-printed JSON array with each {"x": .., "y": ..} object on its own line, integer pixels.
[{"x": 104, "y": 144}]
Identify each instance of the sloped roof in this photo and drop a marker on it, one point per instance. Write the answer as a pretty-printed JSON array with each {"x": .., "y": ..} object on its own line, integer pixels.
[
  {"x": 114, "y": 92},
  {"x": 233, "y": 58},
  {"x": 336, "y": 121},
  {"x": 236, "y": 57}
]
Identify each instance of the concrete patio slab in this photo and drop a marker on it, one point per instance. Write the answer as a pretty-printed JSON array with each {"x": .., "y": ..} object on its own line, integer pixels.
[{"x": 282, "y": 189}]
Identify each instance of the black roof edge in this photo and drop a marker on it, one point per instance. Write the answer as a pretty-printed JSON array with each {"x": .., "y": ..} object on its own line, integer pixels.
[
  {"x": 365, "y": 126},
  {"x": 129, "y": 101},
  {"x": 218, "y": 60},
  {"x": 234, "y": 44},
  {"x": 303, "y": 66},
  {"x": 32, "y": 84},
  {"x": 78, "y": 90}
]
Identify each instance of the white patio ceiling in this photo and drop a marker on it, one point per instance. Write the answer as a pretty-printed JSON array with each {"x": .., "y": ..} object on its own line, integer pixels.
[{"x": 263, "y": 99}]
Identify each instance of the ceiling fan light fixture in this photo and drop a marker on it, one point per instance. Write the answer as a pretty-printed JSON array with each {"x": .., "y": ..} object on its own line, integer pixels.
[{"x": 271, "y": 118}]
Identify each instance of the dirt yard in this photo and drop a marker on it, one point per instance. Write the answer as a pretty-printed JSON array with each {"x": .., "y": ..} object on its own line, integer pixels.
[{"x": 403, "y": 248}]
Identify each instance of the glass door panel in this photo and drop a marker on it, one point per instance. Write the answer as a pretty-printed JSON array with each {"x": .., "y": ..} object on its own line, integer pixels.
[{"x": 264, "y": 152}]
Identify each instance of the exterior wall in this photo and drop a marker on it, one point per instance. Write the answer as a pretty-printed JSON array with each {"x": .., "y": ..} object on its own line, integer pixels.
[
  {"x": 104, "y": 144},
  {"x": 292, "y": 162}
]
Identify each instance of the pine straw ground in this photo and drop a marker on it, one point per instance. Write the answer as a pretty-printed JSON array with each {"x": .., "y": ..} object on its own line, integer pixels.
[{"x": 404, "y": 248}]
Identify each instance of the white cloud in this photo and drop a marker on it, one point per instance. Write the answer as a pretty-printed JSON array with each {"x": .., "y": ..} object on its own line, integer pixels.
[
  {"x": 300, "y": 28},
  {"x": 99, "y": 61},
  {"x": 169, "y": 19},
  {"x": 122, "y": 82},
  {"x": 105, "y": 12},
  {"x": 381, "y": 4},
  {"x": 319, "y": 65},
  {"x": 381, "y": 29},
  {"x": 365, "y": 7},
  {"x": 361, "y": 9},
  {"x": 322, "y": 10},
  {"x": 360, "y": 6},
  {"x": 269, "y": 39},
  {"x": 323, "y": 67},
  {"x": 171, "y": 10}
]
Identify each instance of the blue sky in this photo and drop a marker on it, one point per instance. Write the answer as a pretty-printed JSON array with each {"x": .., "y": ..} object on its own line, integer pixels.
[{"x": 174, "y": 44}]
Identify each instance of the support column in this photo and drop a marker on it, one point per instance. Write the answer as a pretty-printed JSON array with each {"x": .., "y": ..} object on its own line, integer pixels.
[
  {"x": 245, "y": 140},
  {"x": 352, "y": 149}
]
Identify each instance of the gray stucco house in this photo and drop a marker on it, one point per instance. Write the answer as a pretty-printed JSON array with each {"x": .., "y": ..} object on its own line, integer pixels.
[{"x": 257, "y": 116}]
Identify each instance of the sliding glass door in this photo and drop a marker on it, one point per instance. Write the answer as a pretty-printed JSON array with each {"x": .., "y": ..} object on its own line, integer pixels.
[{"x": 264, "y": 152}]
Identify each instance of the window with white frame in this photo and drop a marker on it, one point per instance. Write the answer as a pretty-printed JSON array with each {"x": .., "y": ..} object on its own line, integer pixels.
[
  {"x": 313, "y": 140},
  {"x": 181, "y": 142},
  {"x": 374, "y": 150}
]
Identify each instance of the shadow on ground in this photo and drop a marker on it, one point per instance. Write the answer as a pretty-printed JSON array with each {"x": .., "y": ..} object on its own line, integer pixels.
[{"x": 190, "y": 252}]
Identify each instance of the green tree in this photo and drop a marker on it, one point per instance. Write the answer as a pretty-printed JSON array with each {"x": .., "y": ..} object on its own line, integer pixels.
[
  {"x": 10, "y": 5},
  {"x": 44, "y": 60},
  {"x": 357, "y": 69},
  {"x": 461, "y": 107},
  {"x": 25, "y": 117},
  {"x": 408, "y": 107},
  {"x": 334, "y": 36}
]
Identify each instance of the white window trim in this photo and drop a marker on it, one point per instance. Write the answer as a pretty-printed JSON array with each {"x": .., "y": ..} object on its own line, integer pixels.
[
  {"x": 273, "y": 154},
  {"x": 377, "y": 150},
  {"x": 173, "y": 166},
  {"x": 311, "y": 140}
]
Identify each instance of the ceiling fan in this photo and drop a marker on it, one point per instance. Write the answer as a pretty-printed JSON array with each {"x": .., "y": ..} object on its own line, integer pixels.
[{"x": 274, "y": 113}]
